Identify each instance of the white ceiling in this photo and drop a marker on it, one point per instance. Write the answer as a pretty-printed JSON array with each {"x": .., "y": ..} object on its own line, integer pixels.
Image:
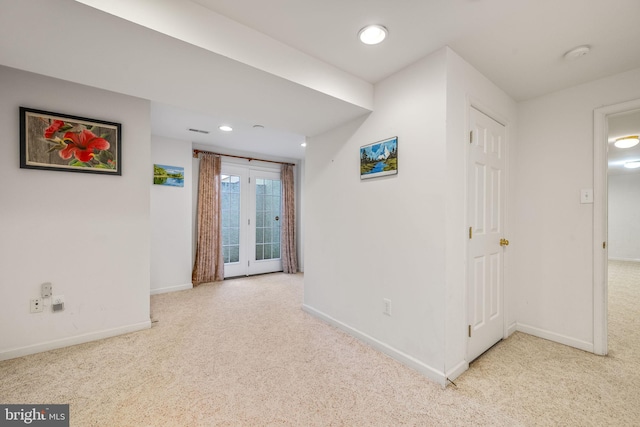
[
  {"x": 518, "y": 44},
  {"x": 295, "y": 66}
]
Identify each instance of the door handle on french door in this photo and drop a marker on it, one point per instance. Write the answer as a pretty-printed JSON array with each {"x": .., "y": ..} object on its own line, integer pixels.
[
  {"x": 277, "y": 218},
  {"x": 504, "y": 242}
]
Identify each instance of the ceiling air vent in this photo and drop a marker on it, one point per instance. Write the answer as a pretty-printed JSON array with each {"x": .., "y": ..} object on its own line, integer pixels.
[{"x": 199, "y": 131}]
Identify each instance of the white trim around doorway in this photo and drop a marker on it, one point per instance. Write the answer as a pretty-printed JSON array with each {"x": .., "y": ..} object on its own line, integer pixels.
[{"x": 600, "y": 222}]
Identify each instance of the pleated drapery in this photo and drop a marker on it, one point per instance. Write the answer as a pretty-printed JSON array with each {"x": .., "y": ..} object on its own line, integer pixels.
[
  {"x": 288, "y": 226},
  {"x": 209, "y": 264}
]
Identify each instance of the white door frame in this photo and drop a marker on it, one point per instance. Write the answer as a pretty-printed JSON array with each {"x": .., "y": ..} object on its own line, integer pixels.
[{"x": 600, "y": 222}]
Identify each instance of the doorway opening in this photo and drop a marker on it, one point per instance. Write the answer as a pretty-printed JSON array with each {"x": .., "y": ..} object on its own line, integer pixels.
[
  {"x": 616, "y": 190},
  {"x": 251, "y": 212}
]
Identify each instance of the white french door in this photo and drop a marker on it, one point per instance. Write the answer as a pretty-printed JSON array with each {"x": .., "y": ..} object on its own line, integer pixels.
[
  {"x": 486, "y": 207},
  {"x": 251, "y": 204}
]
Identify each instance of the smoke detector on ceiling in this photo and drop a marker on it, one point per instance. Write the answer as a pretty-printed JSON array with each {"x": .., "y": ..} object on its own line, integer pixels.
[{"x": 577, "y": 52}]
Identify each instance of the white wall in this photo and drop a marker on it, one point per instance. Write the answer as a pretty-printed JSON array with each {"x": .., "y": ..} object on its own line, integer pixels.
[
  {"x": 400, "y": 237},
  {"x": 86, "y": 234},
  {"x": 552, "y": 244},
  {"x": 171, "y": 219},
  {"x": 624, "y": 209},
  {"x": 466, "y": 87},
  {"x": 385, "y": 237}
]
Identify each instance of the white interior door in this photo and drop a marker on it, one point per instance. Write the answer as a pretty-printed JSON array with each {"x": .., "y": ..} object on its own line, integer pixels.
[
  {"x": 251, "y": 204},
  {"x": 264, "y": 230},
  {"x": 235, "y": 214},
  {"x": 486, "y": 205}
]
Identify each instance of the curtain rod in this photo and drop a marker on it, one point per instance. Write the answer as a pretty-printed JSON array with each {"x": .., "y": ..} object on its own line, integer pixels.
[{"x": 196, "y": 152}]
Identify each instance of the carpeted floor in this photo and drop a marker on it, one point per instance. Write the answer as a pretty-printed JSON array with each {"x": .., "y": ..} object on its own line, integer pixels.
[{"x": 243, "y": 353}]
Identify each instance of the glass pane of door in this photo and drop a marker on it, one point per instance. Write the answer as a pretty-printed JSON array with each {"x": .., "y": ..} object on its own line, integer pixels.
[
  {"x": 264, "y": 242},
  {"x": 230, "y": 218},
  {"x": 267, "y": 222}
]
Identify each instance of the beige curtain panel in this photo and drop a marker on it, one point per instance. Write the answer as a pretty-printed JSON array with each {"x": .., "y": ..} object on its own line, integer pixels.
[
  {"x": 288, "y": 226},
  {"x": 209, "y": 264}
]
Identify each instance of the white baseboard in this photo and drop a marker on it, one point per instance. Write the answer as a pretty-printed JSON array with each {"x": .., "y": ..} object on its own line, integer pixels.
[
  {"x": 398, "y": 355},
  {"x": 172, "y": 289},
  {"x": 77, "y": 339},
  {"x": 511, "y": 329},
  {"x": 457, "y": 370},
  {"x": 624, "y": 259},
  {"x": 552, "y": 336}
]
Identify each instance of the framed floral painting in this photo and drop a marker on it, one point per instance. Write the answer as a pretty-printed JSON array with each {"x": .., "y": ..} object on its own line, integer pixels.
[{"x": 62, "y": 142}]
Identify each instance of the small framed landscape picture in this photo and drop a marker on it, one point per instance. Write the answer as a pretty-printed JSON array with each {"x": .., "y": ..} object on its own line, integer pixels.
[
  {"x": 172, "y": 176},
  {"x": 379, "y": 158},
  {"x": 62, "y": 142}
]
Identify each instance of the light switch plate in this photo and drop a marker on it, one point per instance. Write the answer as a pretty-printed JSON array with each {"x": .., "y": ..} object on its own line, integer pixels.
[{"x": 586, "y": 195}]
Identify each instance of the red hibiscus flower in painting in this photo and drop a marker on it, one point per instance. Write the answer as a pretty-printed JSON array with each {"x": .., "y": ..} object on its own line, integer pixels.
[
  {"x": 51, "y": 130},
  {"x": 81, "y": 145}
]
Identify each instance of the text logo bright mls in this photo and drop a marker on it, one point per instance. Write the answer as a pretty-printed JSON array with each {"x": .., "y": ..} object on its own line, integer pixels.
[{"x": 36, "y": 415}]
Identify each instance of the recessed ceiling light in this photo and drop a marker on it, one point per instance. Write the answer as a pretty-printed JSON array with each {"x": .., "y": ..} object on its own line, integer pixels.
[
  {"x": 258, "y": 126},
  {"x": 225, "y": 128},
  {"x": 577, "y": 52},
  {"x": 627, "y": 141},
  {"x": 634, "y": 164},
  {"x": 372, "y": 34},
  {"x": 304, "y": 144}
]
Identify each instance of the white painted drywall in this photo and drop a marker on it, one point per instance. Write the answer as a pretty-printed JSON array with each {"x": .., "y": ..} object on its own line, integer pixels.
[
  {"x": 221, "y": 35},
  {"x": 367, "y": 240},
  {"x": 466, "y": 86},
  {"x": 88, "y": 235},
  {"x": 239, "y": 89},
  {"x": 624, "y": 209},
  {"x": 552, "y": 244},
  {"x": 171, "y": 219}
]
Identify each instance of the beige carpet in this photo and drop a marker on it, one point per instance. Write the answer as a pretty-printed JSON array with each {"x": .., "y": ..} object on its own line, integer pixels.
[{"x": 243, "y": 353}]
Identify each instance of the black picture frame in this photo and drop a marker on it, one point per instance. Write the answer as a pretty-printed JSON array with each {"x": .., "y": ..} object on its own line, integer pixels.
[{"x": 68, "y": 143}]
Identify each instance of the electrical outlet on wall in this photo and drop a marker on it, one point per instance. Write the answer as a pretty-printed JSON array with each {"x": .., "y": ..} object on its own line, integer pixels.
[
  {"x": 37, "y": 305},
  {"x": 387, "y": 306}
]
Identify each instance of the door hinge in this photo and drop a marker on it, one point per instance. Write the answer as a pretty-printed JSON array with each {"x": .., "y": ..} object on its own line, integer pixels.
[
  {"x": 470, "y": 232},
  {"x": 471, "y": 137},
  {"x": 604, "y": 245},
  {"x": 469, "y": 331},
  {"x": 249, "y": 180},
  {"x": 249, "y": 221}
]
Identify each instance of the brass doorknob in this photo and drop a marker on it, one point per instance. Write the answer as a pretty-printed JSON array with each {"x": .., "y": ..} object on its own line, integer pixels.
[{"x": 504, "y": 242}]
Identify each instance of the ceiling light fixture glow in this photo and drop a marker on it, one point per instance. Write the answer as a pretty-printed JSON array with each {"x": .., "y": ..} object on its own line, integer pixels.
[
  {"x": 225, "y": 128},
  {"x": 304, "y": 144},
  {"x": 634, "y": 164},
  {"x": 372, "y": 34},
  {"x": 627, "y": 141}
]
